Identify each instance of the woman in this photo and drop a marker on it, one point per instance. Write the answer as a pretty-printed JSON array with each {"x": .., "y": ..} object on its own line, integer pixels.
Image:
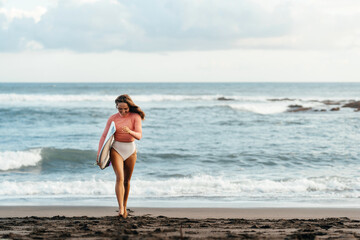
[{"x": 123, "y": 151}]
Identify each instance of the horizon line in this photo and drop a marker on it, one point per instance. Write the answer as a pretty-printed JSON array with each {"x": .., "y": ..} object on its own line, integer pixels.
[{"x": 180, "y": 82}]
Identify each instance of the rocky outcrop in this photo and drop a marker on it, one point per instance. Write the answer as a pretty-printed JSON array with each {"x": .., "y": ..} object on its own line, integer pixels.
[
  {"x": 301, "y": 109},
  {"x": 329, "y": 102},
  {"x": 280, "y": 99},
  {"x": 295, "y": 106},
  {"x": 353, "y": 105},
  {"x": 225, "y": 99}
]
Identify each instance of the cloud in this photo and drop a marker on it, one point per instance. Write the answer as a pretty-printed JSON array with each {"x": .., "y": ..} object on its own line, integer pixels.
[
  {"x": 158, "y": 25},
  {"x": 11, "y": 14},
  {"x": 164, "y": 25},
  {"x": 203, "y": 25},
  {"x": 94, "y": 26},
  {"x": 326, "y": 24},
  {"x": 16, "y": 28}
]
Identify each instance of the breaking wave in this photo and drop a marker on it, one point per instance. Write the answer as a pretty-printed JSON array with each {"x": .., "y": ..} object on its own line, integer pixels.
[
  {"x": 17, "y": 159},
  {"x": 194, "y": 186},
  {"x": 16, "y": 98},
  {"x": 48, "y": 159}
]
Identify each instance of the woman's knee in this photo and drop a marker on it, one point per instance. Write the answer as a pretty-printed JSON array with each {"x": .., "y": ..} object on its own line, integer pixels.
[
  {"x": 120, "y": 179},
  {"x": 127, "y": 182}
]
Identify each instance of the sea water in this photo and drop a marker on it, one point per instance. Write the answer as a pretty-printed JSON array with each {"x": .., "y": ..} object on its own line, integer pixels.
[{"x": 203, "y": 145}]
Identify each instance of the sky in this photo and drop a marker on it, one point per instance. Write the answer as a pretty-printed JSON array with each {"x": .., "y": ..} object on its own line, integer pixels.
[{"x": 179, "y": 41}]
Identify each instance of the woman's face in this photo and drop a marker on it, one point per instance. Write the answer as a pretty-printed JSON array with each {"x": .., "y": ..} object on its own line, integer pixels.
[{"x": 123, "y": 108}]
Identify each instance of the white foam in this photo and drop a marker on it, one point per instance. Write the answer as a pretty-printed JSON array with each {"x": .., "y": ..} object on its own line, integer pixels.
[
  {"x": 165, "y": 97},
  {"x": 13, "y": 98},
  {"x": 46, "y": 98},
  {"x": 210, "y": 186},
  {"x": 270, "y": 107},
  {"x": 196, "y": 186},
  {"x": 51, "y": 188},
  {"x": 264, "y": 108},
  {"x": 17, "y": 159},
  {"x": 102, "y": 98},
  {"x": 215, "y": 97}
]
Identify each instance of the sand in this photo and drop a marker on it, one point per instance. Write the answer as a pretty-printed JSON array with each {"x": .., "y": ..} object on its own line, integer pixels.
[{"x": 57, "y": 222}]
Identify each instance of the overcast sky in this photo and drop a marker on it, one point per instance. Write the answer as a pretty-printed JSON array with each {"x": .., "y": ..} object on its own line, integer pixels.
[{"x": 179, "y": 40}]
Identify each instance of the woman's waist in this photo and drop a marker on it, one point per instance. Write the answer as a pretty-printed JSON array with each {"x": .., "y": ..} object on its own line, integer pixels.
[
  {"x": 124, "y": 138},
  {"x": 124, "y": 145},
  {"x": 123, "y": 141}
]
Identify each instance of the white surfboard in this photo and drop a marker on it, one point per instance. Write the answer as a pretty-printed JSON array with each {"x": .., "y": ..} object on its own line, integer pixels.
[{"x": 104, "y": 156}]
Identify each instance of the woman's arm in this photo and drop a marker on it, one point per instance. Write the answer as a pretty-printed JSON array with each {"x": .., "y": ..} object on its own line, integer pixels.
[
  {"x": 103, "y": 136},
  {"x": 137, "y": 132}
]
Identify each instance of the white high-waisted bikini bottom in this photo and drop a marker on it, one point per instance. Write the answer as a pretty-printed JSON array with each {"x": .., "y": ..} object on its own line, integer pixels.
[{"x": 125, "y": 149}]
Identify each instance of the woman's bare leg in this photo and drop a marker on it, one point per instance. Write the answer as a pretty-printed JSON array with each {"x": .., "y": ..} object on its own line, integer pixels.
[
  {"x": 129, "y": 165},
  {"x": 118, "y": 166}
]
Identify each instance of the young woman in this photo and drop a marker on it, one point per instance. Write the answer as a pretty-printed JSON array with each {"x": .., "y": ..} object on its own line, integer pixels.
[{"x": 123, "y": 151}]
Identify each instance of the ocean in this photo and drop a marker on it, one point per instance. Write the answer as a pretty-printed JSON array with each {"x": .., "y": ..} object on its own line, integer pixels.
[{"x": 204, "y": 144}]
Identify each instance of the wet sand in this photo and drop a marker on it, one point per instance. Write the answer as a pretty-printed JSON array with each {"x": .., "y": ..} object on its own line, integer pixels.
[{"x": 178, "y": 223}]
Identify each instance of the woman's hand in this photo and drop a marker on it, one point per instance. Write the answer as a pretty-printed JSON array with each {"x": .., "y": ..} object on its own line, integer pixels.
[
  {"x": 134, "y": 134},
  {"x": 126, "y": 129}
]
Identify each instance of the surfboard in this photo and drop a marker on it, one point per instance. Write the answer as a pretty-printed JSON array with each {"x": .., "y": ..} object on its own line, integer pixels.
[{"x": 104, "y": 156}]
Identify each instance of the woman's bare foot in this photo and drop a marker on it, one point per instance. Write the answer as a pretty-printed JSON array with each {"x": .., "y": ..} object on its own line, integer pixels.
[
  {"x": 125, "y": 215},
  {"x": 121, "y": 212}
]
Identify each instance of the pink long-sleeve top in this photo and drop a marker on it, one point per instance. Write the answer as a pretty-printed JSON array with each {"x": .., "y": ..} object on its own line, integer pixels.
[{"x": 131, "y": 120}]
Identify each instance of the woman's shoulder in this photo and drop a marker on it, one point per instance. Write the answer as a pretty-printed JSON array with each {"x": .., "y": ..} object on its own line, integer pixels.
[
  {"x": 112, "y": 117},
  {"x": 134, "y": 115}
]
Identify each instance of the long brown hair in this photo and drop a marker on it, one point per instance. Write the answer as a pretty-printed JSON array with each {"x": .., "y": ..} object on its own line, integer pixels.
[{"x": 132, "y": 106}]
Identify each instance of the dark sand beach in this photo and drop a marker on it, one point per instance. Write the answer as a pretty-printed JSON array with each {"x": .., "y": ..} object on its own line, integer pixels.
[{"x": 178, "y": 223}]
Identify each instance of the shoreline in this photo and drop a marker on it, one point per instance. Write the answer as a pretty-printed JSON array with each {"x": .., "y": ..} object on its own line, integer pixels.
[
  {"x": 64, "y": 222},
  {"x": 198, "y": 213}
]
